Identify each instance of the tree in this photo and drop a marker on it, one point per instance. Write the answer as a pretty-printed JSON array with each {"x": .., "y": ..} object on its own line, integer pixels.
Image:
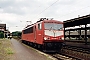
[{"x": 1, "y": 35}]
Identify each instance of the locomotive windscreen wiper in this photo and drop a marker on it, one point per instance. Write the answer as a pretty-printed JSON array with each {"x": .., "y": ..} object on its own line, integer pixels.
[{"x": 60, "y": 28}]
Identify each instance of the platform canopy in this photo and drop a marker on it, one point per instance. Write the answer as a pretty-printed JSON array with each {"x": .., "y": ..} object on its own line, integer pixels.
[{"x": 77, "y": 21}]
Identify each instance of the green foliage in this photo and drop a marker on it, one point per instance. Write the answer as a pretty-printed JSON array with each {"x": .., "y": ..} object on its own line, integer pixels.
[
  {"x": 16, "y": 33},
  {"x": 1, "y": 35}
]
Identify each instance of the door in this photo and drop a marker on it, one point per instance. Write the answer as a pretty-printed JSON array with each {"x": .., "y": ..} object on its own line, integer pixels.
[{"x": 35, "y": 34}]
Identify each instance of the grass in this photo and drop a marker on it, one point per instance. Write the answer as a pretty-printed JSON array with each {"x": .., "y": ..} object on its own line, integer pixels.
[
  {"x": 0, "y": 42},
  {"x": 9, "y": 50},
  {"x": 5, "y": 49}
]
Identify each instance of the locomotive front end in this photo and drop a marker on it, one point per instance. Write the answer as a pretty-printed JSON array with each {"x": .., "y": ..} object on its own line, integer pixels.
[{"x": 53, "y": 35}]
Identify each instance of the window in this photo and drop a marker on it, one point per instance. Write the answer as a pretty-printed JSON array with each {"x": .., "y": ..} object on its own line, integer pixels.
[
  {"x": 53, "y": 26},
  {"x": 40, "y": 26},
  {"x": 29, "y": 30}
]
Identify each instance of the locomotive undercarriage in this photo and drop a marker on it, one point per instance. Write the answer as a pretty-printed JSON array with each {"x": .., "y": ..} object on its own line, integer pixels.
[
  {"x": 46, "y": 47},
  {"x": 52, "y": 46}
]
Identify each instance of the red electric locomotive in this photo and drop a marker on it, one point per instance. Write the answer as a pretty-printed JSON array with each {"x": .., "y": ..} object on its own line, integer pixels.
[{"x": 45, "y": 34}]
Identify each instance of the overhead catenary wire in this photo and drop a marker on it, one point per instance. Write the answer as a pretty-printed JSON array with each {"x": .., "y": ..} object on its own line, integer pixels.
[
  {"x": 75, "y": 11},
  {"x": 50, "y": 6},
  {"x": 34, "y": 11},
  {"x": 46, "y": 8}
]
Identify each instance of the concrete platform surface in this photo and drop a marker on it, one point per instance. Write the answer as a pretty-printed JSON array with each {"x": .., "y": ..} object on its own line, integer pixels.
[{"x": 22, "y": 52}]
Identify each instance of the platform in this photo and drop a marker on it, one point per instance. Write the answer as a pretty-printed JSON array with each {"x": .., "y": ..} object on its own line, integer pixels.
[{"x": 24, "y": 52}]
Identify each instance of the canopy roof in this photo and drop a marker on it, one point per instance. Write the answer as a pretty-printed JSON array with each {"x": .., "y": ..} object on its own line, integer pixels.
[{"x": 77, "y": 21}]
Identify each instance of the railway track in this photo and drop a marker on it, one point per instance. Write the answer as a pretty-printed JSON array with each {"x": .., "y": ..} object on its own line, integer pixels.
[
  {"x": 79, "y": 52},
  {"x": 78, "y": 49},
  {"x": 58, "y": 56},
  {"x": 70, "y": 53},
  {"x": 63, "y": 57}
]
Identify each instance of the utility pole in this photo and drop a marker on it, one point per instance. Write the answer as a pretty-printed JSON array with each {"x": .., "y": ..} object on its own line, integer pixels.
[{"x": 7, "y": 31}]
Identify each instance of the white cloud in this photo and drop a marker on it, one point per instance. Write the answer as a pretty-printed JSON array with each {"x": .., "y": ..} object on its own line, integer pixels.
[{"x": 17, "y": 12}]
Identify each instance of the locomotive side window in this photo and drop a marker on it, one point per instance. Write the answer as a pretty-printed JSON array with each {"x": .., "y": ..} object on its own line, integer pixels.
[
  {"x": 29, "y": 30},
  {"x": 40, "y": 26}
]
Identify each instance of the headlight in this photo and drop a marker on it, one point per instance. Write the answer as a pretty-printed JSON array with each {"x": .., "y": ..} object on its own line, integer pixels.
[
  {"x": 62, "y": 38},
  {"x": 45, "y": 38}
]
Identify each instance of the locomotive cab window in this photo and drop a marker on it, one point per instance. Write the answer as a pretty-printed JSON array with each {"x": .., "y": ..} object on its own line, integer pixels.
[
  {"x": 40, "y": 26},
  {"x": 53, "y": 26}
]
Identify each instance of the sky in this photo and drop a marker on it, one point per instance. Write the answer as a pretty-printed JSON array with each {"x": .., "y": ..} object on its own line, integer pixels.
[{"x": 17, "y": 14}]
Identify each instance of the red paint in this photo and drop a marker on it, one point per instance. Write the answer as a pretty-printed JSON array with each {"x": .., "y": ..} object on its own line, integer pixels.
[{"x": 38, "y": 35}]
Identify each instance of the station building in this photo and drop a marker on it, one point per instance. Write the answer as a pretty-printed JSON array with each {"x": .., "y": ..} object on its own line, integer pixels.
[{"x": 4, "y": 30}]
